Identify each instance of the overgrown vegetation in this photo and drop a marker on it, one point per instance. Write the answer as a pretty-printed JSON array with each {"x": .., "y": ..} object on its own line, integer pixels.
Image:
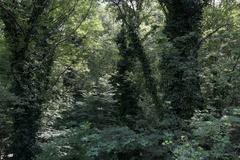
[{"x": 119, "y": 80}]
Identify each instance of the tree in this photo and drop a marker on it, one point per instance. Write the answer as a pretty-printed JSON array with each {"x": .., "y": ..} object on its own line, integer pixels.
[
  {"x": 180, "y": 66},
  {"x": 133, "y": 29},
  {"x": 84, "y": 76},
  {"x": 132, "y": 49},
  {"x": 29, "y": 30}
]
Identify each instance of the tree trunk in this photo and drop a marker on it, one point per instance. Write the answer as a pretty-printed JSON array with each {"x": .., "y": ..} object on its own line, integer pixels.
[
  {"x": 126, "y": 94},
  {"x": 139, "y": 52},
  {"x": 31, "y": 63},
  {"x": 180, "y": 66}
]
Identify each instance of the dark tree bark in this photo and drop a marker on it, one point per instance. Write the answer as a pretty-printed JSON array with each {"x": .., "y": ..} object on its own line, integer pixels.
[
  {"x": 138, "y": 50},
  {"x": 31, "y": 63},
  {"x": 126, "y": 93},
  {"x": 130, "y": 17},
  {"x": 133, "y": 29},
  {"x": 180, "y": 66}
]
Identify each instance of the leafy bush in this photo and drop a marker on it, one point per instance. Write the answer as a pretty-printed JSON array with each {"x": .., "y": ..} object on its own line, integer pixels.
[
  {"x": 118, "y": 142},
  {"x": 211, "y": 138},
  {"x": 65, "y": 146}
]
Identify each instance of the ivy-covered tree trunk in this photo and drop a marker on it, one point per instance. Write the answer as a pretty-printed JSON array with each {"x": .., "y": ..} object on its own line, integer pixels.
[
  {"x": 30, "y": 87},
  {"x": 130, "y": 17},
  {"x": 138, "y": 50},
  {"x": 126, "y": 93},
  {"x": 31, "y": 62},
  {"x": 133, "y": 29},
  {"x": 180, "y": 66}
]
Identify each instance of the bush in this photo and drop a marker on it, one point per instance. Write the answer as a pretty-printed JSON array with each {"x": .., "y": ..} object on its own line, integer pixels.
[{"x": 65, "y": 146}]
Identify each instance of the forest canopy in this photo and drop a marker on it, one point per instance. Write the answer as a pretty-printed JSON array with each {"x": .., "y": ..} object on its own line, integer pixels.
[{"x": 119, "y": 79}]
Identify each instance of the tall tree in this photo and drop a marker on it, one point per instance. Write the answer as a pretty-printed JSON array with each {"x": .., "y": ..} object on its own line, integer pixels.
[
  {"x": 126, "y": 94},
  {"x": 180, "y": 67},
  {"x": 135, "y": 43},
  {"x": 29, "y": 30},
  {"x": 129, "y": 14}
]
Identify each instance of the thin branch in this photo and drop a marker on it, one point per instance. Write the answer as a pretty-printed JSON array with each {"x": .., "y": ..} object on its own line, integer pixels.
[
  {"x": 212, "y": 33},
  {"x": 85, "y": 17},
  {"x": 60, "y": 75},
  {"x": 66, "y": 14},
  {"x": 163, "y": 7},
  {"x": 121, "y": 12},
  {"x": 153, "y": 29},
  {"x": 206, "y": 37},
  {"x": 234, "y": 68},
  {"x": 76, "y": 28},
  {"x": 10, "y": 19}
]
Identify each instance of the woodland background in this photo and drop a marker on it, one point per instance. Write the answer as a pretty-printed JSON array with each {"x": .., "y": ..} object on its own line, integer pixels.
[{"x": 119, "y": 80}]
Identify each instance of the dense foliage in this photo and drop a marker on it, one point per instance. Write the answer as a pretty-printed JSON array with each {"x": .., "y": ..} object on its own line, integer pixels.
[{"x": 119, "y": 80}]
